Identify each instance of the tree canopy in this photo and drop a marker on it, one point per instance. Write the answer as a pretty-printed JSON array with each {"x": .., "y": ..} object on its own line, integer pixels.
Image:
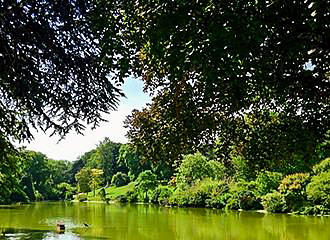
[
  {"x": 213, "y": 62},
  {"x": 51, "y": 71},
  {"x": 234, "y": 53}
]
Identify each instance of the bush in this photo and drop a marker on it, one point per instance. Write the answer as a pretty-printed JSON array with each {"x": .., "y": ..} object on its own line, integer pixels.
[
  {"x": 180, "y": 197},
  {"x": 39, "y": 196},
  {"x": 240, "y": 168},
  {"x": 315, "y": 210},
  {"x": 245, "y": 199},
  {"x": 218, "y": 201},
  {"x": 267, "y": 182},
  {"x": 196, "y": 195},
  {"x": 132, "y": 195},
  {"x": 120, "y": 179},
  {"x": 207, "y": 193},
  {"x": 146, "y": 181},
  {"x": 293, "y": 187},
  {"x": 216, "y": 170},
  {"x": 103, "y": 195},
  {"x": 122, "y": 198},
  {"x": 161, "y": 195},
  {"x": 243, "y": 196},
  {"x": 318, "y": 190},
  {"x": 323, "y": 166},
  {"x": 274, "y": 202}
]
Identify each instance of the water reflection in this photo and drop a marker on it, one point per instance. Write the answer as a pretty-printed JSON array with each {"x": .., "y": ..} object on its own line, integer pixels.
[
  {"x": 103, "y": 221},
  {"x": 24, "y": 234}
]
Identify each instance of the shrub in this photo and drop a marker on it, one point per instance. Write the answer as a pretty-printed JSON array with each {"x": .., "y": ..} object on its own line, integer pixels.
[
  {"x": 315, "y": 210},
  {"x": 293, "y": 187},
  {"x": 243, "y": 196},
  {"x": 120, "y": 179},
  {"x": 219, "y": 201},
  {"x": 208, "y": 193},
  {"x": 233, "y": 202},
  {"x": 274, "y": 202},
  {"x": 245, "y": 199},
  {"x": 323, "y": 166},
  {"x": 216, "y": 170},
  {"x": 267, "y": 182},
  {"x": 39, "y": 196},
  {"x": 132, "y": 196},
  {"x": 180, "y": 198},
  {"x": 318, "y": 190},
  {"x": 146, "y": 181},
  {"x": 241, "y": 168},
  {"x": 102, "y": 193},
  {"x": 161, "y": 195},
  {"x": 122, "y": 198}
]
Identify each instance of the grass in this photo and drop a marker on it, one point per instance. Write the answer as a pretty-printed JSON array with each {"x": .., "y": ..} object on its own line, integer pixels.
[{"x": 111, "y": 192}]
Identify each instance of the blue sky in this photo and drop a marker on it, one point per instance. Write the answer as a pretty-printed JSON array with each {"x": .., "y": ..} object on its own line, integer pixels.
[{"x": 75, "y": 145}]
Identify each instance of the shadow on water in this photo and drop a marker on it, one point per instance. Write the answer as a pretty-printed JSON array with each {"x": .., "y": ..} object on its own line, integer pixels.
[
  {"x": 12, "y": 233},
  {"x": 9, "y": 206},
  {"x": 27, "y": 234}
]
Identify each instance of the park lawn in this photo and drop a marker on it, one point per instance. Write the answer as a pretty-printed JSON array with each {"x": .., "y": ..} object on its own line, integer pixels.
[{"x": 112, "y": 192}]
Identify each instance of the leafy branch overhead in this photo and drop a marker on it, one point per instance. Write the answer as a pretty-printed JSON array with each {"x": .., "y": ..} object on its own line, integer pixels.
[
  {"x": 51, "y": 69},
  {"x": 234, "y": 54}
]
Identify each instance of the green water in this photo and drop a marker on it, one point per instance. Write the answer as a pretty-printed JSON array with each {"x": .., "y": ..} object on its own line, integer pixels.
[{"x": 136, "y": 222}]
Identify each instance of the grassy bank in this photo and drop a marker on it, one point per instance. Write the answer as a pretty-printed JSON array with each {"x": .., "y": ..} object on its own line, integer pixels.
[{"x": 112, "y": 193}]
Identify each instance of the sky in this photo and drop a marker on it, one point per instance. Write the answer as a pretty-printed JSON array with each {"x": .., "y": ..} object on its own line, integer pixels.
[{"x": 75, "y": 144}]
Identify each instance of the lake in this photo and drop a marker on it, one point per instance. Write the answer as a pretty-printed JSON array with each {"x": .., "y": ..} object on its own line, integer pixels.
[{"x": 136, "y": 222}]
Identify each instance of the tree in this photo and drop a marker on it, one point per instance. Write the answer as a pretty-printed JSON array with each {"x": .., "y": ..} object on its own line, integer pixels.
[
  {"x": 52, "y": 73},
  {"x": 129, "y": 158},
  {"x": 196, "y": 167},
  {"x": 79, "y": 164},
  {"x": 253, "y": 55},
  {"x": 120, "y": 179},
  {"x": 146, "y": 181},
  {"x": 266, "y": 140},
  {"x": 37, "y": 175},
  {"x": 106, "y": 156},
  {"x": 95, "y": 179},
  {"x": 10, "y": 174},
  {"x": 162, "y": 133},
  {"x": 59, "y": 170},
  {"x": 83, "y": 179},
  {"x": 66, "y": 191}
]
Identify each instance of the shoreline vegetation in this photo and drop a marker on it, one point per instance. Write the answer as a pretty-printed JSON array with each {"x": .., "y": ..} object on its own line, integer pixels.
[
  {"x": 116, "y": 172},
  {"x": 300, "y": 193}
]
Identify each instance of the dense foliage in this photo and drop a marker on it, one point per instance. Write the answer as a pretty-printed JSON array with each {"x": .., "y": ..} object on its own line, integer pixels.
[
  {"x": 29, "y": 176},
  {"x": 120, "y": 179},
  {"x": 197, "y": 167},
  {"x": 268, "y": 59},
  {"x": 51, "y": 70}
]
